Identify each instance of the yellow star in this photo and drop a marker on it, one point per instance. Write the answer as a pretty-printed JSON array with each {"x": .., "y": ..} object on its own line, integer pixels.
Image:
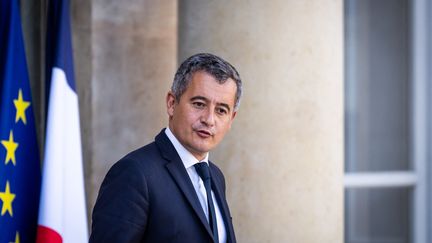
[
  {"x": 17, "y": 239},
  {"x": 7, "y": 197},
  {"x": 10, "y": 147},
  {"x": 21, "y": 106}
]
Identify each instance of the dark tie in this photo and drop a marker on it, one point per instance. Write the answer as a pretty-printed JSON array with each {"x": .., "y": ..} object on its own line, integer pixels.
[{"x": 203, "y": 171}]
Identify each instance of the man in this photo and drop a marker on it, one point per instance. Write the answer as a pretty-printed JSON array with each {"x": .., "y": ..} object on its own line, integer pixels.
[{"x": 168, "y": 191}]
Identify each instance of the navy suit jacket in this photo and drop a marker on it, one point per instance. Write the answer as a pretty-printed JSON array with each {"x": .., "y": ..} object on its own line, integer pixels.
[{"x": 148, "y": 196}]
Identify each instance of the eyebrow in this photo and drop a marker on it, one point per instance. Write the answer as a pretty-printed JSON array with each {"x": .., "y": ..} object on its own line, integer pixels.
[{"x": 198, "y": 97}]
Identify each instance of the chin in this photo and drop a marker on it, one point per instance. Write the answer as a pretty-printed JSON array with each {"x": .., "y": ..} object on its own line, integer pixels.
[{"x": 204, "y": 149}]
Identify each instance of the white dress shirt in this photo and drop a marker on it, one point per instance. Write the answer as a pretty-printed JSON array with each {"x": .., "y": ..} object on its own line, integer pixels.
[{"x": 189, "y": 161}]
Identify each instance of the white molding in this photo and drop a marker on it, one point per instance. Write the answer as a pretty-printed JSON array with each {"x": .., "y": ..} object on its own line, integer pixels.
[{"x": 380, "y": 179}]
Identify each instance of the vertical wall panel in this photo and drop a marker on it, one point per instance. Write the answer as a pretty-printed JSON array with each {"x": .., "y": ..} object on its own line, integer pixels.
[{"x": 283, "y": 159}]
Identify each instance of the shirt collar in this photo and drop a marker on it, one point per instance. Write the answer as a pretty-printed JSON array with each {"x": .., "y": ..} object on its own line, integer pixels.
[{"x": 187, "y": 158}]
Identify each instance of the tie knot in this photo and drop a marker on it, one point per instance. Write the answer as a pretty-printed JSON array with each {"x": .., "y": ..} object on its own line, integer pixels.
[{"x": 203, "y": 170}]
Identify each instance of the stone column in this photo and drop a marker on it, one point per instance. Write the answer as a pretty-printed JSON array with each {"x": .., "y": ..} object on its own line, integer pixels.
[
  {"x": 283, "y": 159},
  {"x": 133, "y": 53}
]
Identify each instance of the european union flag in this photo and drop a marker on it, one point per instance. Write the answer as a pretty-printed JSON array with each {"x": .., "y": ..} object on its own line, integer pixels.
[{"x": 19, "y": 157}]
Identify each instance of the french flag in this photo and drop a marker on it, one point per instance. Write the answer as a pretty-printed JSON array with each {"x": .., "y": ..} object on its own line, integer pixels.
[{"x": 62, "y": 210}]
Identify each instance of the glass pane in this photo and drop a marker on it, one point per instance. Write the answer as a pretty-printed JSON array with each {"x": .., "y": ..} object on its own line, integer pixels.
[
  {"x": 377, "y": 85},
  {"x": 377, "y": 215}
]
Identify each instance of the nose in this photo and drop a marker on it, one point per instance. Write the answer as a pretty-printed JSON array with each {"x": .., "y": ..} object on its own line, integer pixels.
[{"x": 208, "y": 117}]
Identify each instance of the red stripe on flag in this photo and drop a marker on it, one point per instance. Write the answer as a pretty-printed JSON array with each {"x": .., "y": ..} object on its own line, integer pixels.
[{"x": 47, "y": 235}]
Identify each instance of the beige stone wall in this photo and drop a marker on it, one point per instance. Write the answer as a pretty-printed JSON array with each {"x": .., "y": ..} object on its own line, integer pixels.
[
  {"x": 81, "y": 28},
  {"x": 134, "y": 49},
  {"x": 283, "y": 159}
]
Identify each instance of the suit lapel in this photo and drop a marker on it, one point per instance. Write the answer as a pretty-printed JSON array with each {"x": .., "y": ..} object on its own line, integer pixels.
[
  {"x": 219, "y": 193},
  {"x": 178, "y": 172}
]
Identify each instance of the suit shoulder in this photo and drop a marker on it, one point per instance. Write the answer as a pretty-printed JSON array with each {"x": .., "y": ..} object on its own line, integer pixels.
[
  {"x": 137, "y": 160},
  {"x": 143, "y": 153}
]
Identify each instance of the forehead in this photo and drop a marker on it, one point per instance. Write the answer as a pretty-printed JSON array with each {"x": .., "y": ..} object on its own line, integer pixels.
[{"x": 204, "y": 84}]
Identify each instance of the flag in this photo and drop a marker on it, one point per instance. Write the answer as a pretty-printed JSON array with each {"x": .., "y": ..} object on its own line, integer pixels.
[
  {"x": 62, "y": 211},
  {"x": 19, "y": 155}
]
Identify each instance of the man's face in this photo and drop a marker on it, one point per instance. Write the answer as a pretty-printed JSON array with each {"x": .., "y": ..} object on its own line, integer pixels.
[{"x": 204, "y": 113}]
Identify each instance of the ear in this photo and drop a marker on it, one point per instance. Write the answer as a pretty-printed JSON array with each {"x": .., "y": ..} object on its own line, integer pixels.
[
  {"x": 170, "y": 103},
  {"x": 232, "y": 118},
  {"x": 233, "y": 115}
]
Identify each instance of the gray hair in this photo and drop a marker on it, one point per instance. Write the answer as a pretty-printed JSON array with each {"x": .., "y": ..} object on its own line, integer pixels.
[{"x": 220, "y": 69}]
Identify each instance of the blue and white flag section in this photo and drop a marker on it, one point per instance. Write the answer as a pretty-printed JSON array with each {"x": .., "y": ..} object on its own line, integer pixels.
[
  {"x": 19, "y": 155},
  {"x": 62, "y": 212}
]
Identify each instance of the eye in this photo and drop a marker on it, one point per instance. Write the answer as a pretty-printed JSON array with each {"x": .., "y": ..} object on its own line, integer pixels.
[
  {"x": 198, "y": 104},
  {"x": 221, "y": 110}
]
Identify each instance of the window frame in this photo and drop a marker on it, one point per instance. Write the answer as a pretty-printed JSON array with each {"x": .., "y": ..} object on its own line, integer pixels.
[{"x": 419, "y": 178}]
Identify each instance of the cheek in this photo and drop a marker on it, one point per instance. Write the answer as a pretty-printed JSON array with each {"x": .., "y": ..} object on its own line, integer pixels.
[
  {"x": 224, "y": 128},
  {"x": 227, "y": 124},
  {"x": 188, "y": 122},
  {"x": 193, "y": 117}
]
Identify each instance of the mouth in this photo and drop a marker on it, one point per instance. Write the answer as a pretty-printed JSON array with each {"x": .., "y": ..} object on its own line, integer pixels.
[{"x": 204, "y": 133}]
